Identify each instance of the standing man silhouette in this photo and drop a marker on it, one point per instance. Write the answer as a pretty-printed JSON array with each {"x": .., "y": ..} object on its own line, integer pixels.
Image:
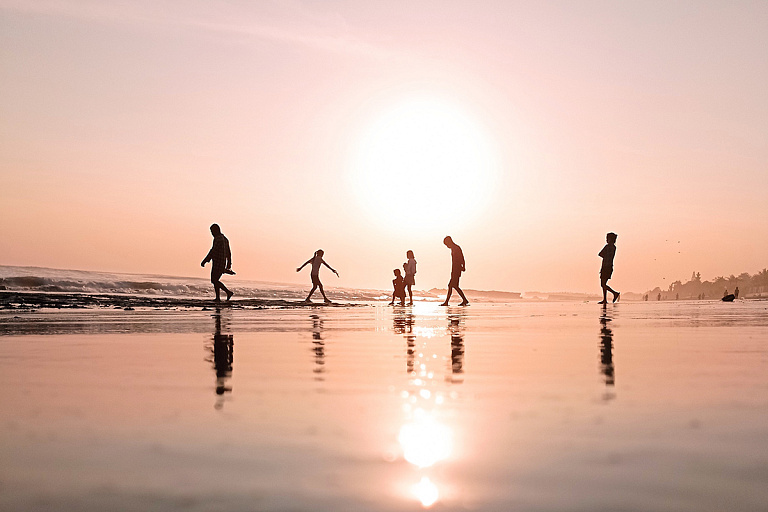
[
  {"x": 457, "y": 267},
  {"x": 222, "y": 261}
]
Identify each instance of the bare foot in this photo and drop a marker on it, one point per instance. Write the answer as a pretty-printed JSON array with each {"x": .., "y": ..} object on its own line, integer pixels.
[
  {"x": 465, "y": 303},
  {"x": 444, "y": 304},
  {"x": 616, "y": 297},
  {"x": 229, "y": 295},
  {"x": 602, "y": 302}
]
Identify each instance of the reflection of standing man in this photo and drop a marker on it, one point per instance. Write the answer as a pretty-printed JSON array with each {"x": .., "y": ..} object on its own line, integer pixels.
[
  {"x": 222, "y": 260},
  {"x": 457, "y": 267}
]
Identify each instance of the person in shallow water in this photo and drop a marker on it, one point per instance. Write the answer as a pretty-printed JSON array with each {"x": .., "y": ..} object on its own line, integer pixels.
[
  {"x": 457, "y": 267},
  {"x": 316, "y": 261},
  {"x": 399, "y": 288},
  {"x": 606, "y": 270},
  {"x": 222, "y": 261},
  {"x": 410, "y": 274}
]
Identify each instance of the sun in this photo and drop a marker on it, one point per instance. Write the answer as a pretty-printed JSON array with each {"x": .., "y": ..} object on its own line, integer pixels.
[{"x": 423, "y": 163}]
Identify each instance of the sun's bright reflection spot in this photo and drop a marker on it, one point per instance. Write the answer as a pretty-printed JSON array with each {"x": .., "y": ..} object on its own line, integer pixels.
[
  {"x": 425, "y": 393},
  {"x": 424, "y": 332},
  {"x": 426, "y": 492},
  {"x": 425, "y": 441}
]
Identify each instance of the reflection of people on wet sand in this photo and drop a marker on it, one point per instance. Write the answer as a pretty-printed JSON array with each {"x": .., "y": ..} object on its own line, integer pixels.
[
  {"x": 223, "y": 352},
  {"x": 318, "y": 346},
  {"x": 606, "y": 270},
  {"x": 457, "y": 348},
  {"x": 457, "y": 267},
  {"x": 317, "y": 261},
  {"x": 222, "y": 261},
  {"x": 410, "y": 275},
  {"x": 402, "y": 323},
  {"x": 606, "y": 350},
  {"x": 399, "y": 288}
]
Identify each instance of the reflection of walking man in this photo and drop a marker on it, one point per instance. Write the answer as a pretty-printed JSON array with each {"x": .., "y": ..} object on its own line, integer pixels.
[
  {"x": 223, "y": 350},
  {"x": 457, "y": 267},
  {"x": 222, "y": 260}
]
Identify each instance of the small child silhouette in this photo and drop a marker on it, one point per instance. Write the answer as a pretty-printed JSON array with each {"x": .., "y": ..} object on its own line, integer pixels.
[{"x": 399, "y": 285}]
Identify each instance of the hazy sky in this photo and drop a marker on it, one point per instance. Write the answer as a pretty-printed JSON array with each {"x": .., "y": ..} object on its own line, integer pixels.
[{"x": 526, "y": 130}]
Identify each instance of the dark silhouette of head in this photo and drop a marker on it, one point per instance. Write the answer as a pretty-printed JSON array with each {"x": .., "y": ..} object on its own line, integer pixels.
[
  {"x": 397, "y": 272},
  {"x": 319, "y": 252},
  {"x": 611, "y": 238},
  {"x": 409, "y": 254},
  {"x": 215, "y": 229},
  {"x": 448, "y": 241}
]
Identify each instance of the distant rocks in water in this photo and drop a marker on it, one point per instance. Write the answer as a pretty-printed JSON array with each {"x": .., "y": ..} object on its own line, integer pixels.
[{"x": 729, "y": 298}]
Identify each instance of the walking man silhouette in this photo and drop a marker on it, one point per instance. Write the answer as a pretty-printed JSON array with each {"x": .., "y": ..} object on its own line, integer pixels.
[
  {"x": 222, "y": 261},
  {"x": 457, "y": 267}
]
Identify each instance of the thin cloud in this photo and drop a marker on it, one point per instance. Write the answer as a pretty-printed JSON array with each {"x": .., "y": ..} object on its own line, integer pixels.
[{"x": 312, "y": 33}]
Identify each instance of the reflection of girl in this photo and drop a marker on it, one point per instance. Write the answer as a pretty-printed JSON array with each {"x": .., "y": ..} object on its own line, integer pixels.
[{"x": 410, "y": 272}]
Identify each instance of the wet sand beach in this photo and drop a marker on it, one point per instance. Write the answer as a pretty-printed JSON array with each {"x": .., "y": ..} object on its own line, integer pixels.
[{"x": 529, "y": 406}]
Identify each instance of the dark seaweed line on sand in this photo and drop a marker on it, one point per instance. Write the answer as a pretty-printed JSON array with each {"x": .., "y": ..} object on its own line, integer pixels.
[{"x": 10, "y": 300}]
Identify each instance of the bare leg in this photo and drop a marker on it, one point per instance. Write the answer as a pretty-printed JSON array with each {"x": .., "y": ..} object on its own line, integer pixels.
[
  {"x": 229, "y": 293},
  {"x": 323, "y": 292},
  {"x": 314, "y": 287},
  {"x": 464, "y": 300},
  {"x": 448, "y": 295},
  {"x": 217, "y": 287}
]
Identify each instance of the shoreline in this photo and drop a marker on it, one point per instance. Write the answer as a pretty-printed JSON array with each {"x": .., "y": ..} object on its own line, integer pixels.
[{"x": 24, "y": 301}]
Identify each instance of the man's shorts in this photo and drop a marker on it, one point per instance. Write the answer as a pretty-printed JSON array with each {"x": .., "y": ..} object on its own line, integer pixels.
[
  {"x": 455, "y": 275},
  {"x": 316, "y": 280},
  {"x": 605, "y": 275}
]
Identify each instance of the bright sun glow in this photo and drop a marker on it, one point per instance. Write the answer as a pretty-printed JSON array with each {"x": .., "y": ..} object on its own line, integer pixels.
[{"x": 425, "y": 164}]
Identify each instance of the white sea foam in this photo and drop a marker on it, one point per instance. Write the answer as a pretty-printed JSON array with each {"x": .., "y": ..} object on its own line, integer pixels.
[{"x": 51, "y": 280}]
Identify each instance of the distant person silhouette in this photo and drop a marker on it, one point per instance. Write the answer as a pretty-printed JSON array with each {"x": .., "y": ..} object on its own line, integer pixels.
[
  {"x": 317, "y": 261},
  {"x": 457, "y": 267},
  {"x": 658, "y": 297},
  {"x": 222, "y": 261},
  {"x": 606, "y": 270},
  {"x": 399, "y": 284},
  {"x": 736, "y": 293},
  {"x": 410, "y": 275}
]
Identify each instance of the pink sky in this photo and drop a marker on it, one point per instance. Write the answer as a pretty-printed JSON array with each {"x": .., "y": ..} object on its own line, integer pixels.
[{"x": 127, "y": 128}]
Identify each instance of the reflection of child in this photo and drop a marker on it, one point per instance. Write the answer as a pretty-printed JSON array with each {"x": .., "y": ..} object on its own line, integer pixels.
[
  {"x": 410, "y": 272},
  {"x": 399, "y": 285}
]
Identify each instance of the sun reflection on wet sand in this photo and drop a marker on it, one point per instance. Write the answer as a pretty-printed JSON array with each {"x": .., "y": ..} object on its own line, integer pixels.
[
  {"x": 425, "y": 441},
  {"x": 434, "y": 356},
  {"x": 426, "y": 492}
]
